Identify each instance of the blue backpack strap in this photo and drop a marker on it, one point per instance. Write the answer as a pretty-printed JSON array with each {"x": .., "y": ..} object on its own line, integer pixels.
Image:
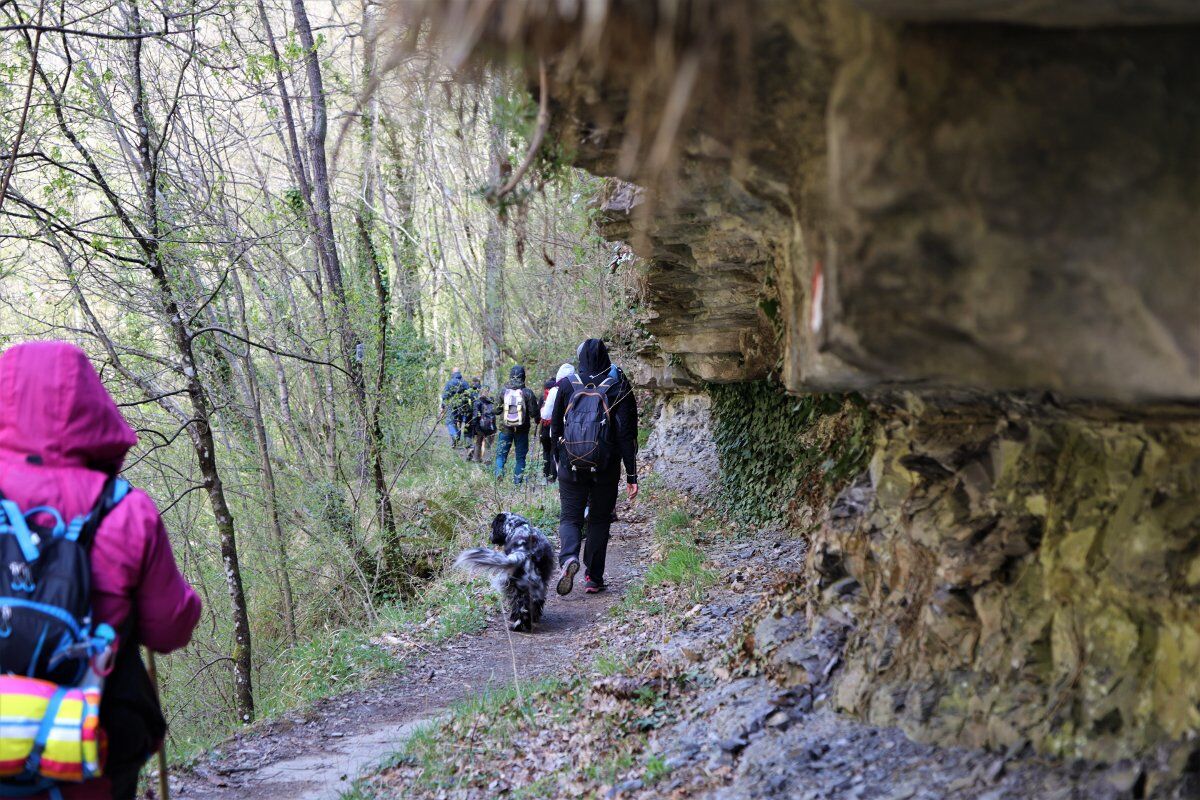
[
  {"x": 43, "y": 734},
  {"x": 59, "y": 525},
  {"x": 84, "y": 528},
  {"x": 20, "y": 529}
]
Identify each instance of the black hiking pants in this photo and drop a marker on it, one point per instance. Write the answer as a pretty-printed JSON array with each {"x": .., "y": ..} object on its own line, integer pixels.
[
  {"x": 597, "y": 493},
  {"x": 549, "y": 471},
  {"x": 125, "y": 784}
]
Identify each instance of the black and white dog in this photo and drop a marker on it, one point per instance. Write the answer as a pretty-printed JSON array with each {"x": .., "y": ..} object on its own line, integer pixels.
[{"x": 521, "y": 572}]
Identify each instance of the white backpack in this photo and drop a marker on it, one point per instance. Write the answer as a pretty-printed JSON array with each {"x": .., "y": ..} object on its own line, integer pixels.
[{"x": 514, "y": 408}]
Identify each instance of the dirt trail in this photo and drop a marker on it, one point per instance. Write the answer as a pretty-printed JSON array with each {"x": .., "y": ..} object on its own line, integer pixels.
[{"x": 315, "y": 755}]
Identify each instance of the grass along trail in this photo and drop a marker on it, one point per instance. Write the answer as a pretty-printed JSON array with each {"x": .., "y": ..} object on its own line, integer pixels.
[
  {"x": 673, "y": 700},
  {"x": 316, "y": 753}
]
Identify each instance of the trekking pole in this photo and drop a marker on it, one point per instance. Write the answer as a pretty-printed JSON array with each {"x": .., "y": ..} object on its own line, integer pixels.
[{"x": 164, "y": 787}]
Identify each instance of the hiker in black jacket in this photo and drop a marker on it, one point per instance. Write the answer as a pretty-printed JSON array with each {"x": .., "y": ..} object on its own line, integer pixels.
[
  {"x": 456, "y": 406},
  {"x": 481, "y": 432},
  {"x": 594, "y": 429}
]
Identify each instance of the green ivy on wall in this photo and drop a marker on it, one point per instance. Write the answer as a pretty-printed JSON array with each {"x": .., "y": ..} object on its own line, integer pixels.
[{"x": 779, "y": 453}]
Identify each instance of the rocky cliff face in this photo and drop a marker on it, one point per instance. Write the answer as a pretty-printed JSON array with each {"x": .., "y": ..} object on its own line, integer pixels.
[
  {"x": 940, "y": 217},
  {"x": 991, "y": 231},
  {"x": 1016, "y": 577},
  {"x": 970, "y": 206},
  {"x": 681, "y": 445}
]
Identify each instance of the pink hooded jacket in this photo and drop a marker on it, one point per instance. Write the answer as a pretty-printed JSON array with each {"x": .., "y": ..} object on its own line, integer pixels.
[{"x": 61, "y": 435}]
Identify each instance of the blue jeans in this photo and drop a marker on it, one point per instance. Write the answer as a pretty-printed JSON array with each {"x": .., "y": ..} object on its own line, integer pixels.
[
  {"x": 452, "y": 429},
  {"x": 520, "y": 442}
]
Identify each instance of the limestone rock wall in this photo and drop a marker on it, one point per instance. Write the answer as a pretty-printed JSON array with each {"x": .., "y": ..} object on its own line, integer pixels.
[
  {"x": 951, "y": 219},
  {"x": 681, "y": 445},
  {"x": 1018, "y": 209},
  {"x": 969, "y": 207},
  {"x": 1009, "y": 576},
  {"x": 943, "y": 218}
]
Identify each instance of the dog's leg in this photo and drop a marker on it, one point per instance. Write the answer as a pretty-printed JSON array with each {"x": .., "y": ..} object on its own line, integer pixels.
[{"x": 512, "y": 596}]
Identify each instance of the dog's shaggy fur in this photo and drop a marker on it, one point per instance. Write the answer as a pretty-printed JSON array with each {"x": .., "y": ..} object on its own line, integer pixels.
[{"x": 520, "y": 573}]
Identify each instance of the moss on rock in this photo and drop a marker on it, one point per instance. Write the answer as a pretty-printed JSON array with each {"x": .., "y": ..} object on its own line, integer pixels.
[{"x": 782, "y": 455}]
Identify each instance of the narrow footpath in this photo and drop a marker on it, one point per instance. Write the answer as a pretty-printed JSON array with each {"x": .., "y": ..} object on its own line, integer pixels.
[{"x": 317, "y": 753}]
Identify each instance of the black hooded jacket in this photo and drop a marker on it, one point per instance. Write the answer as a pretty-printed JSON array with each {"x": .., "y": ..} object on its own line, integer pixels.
[
  {"x": 516, "y": 380},
  {"x": 594, "y": 366},
  {"x": 454, "y": 394}
]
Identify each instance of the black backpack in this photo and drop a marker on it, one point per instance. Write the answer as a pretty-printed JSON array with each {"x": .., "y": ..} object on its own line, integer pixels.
[
  {"x": 587, "y": 425},
  {"x": 487, "y": 417},
  {"x": 46, "y": 621},
  {"x": 47, "y": 632}
]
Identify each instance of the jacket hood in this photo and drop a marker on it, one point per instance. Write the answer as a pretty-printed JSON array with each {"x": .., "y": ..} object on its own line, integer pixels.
[
  {"x": 564, "y": 371},
  {"x": 516, "y": 377},
  {"x": 593, "y": 359},
  {"x": 55, "y": 411},
  {"x": 456, "y": 374}
]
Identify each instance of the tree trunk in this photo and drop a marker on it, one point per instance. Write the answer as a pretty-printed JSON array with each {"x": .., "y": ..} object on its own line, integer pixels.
[
  {"x": 493, "y": 256},
  {"x": 364, "y": 222},
  {"x": 401, "y": 230},
  {"x": 270, "y": 489},
  {"x": 333, "y": 270},
  {"x": 200, "y": 430}
]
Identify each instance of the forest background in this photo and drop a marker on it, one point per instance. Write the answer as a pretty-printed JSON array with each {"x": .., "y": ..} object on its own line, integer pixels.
[{"x": 274, "y": 230}]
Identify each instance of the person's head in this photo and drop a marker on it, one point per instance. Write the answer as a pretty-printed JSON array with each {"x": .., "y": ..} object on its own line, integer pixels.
[
  {"x": 55, "y": 411},
  {"x": 549, "y": 384},
  {"x": 593, "y": 359},
  {"x": 564, "y": 371},
  {"x": 475, "y": 382},
  {"x": 517, "y": 374},
  {"x": 455, "y": 372}
]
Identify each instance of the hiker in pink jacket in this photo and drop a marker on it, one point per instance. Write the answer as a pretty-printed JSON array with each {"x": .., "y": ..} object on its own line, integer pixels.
[{"x": 61, "y": 437}]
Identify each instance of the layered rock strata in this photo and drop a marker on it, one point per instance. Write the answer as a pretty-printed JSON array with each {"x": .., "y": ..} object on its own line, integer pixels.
[{"x": 1014, "y": 575}]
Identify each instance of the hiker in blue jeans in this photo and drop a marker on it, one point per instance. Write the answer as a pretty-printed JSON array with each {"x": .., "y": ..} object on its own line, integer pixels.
[
  {"x": 518, "y": 408},
  {"x": 456, "y": 406}
]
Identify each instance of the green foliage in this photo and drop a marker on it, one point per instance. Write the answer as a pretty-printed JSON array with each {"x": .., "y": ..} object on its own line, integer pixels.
[
  {"x": 542, "y": 510},
  {"x": 448, "y": 608},
  {"x": 678, "y": 564},
  {"x": 669, "y": 523},
  {"x": 656, "y": 769},
  {"x": 683, "y": 566},
  {"x": 778, "y": 451},
  {"x": 329, "y": 663}
]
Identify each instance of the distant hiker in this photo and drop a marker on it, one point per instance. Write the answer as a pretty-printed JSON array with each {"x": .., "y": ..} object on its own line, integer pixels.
[
  {"x": 455, "y": 405},
  {"x": 549, "y": 471},
  {"x": 518, "y": 409},
  {"x": 72, "y": 524},
  {"x": 473, "y": 390},
  {"x": 594, "y": 427},
  {"x": 483, "y": 423}
]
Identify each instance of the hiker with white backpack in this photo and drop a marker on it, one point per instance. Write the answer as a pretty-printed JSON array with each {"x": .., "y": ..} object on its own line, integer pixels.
[
  {"x": 518, "y": 410},
  {"x": 549, "y": 470},
  {"x": 594, "y": 429}
]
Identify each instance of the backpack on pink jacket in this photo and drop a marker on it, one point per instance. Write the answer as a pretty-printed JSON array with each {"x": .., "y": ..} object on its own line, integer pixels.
[{"x": 75, "y": 537}]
